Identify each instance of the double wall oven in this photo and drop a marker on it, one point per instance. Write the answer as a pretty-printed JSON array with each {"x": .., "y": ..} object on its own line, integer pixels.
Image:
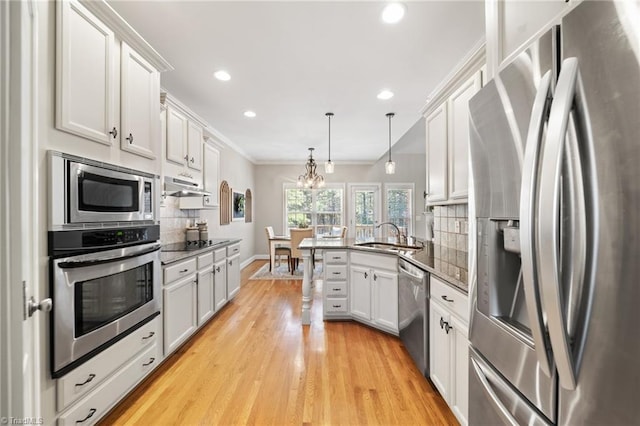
[{"x": 104, "y": 249}]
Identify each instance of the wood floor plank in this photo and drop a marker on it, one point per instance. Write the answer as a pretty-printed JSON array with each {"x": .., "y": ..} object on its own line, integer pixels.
[{"x": 254, "y": 363}]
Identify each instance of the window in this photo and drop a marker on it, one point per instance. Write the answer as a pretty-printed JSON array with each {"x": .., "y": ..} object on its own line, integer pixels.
[
  {"x": 320, "y": 209},
  {"x": 399, "y": 208}
]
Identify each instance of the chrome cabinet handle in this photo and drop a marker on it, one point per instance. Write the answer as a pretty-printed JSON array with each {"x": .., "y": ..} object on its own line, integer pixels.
[
  {"x": 89, "y": 379},
  {"x": 366, "y": 275},
  {"x": 151, "y": 360},
  {"x": 375, "y": 277},
  {"x": 336, "y": 273},
  {"x": 447, "y": 327},
  {"x": 151, "y": 334},
  {"x": 336, "y": 289},
  {"x": 130, "y": 138},
  {"x": 114, "y": 132},
  {"x": 91, "y": 413},
  {"x": 446, "y": 299},
  {"x": 186, "y": 158},
  {"x": 192, "y": 160},
  {"x": 206, "y": 200},
  {"x": 218, "y": 269},
  {"x": 183, "y": 271},
  {"x": 231, "y": 263},
  {"x": 442, "y": 323},
  {"x": 337, "y": 306}
]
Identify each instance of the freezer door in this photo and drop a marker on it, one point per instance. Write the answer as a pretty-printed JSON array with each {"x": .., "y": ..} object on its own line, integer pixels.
[
  {"x": 492, "y": 401},
  {"x": 602, "y": 39}
]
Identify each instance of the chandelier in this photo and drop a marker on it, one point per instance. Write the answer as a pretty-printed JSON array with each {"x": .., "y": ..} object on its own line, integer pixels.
[{"x": 310, "y": 179}]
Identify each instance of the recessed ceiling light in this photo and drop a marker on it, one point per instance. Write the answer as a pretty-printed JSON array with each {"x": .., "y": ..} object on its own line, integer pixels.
[
  {"x": 222, "y": 75},
  {"x": 385, "y": 94},
  {"x": 393, "y": 12},
  {"x": 249, "y": 114}
]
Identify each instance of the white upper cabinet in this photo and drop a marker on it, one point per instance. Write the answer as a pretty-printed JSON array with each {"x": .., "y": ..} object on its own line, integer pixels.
[
  {"x": 211, "y": 175},
  {"x": 85, "y": 74},
  {"x": 194, "y": 145},
  {"x": 107, "y": 81},
  {"x": 458, "y": 137},
  {"x": 177, "y": 126},
  {"x": 139, "y": 91},
  {"x": 436, "y": 133}
]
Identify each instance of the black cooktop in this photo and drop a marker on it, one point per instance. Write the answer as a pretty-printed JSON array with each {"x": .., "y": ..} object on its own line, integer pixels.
[{"x": 192, "y": 245}]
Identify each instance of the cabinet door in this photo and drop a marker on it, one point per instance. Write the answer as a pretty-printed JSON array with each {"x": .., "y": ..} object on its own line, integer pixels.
[
  {"x": 460, "y": 370},
  {"x": 139, "y": 100},
  {"x": 176, "y": 136},
  {"x": 458, "y": 121},
  {"x": 180, "y": 312},
  {"x": 220, "y": 277},
  {"x": 360, "y": 292},
  {"x": 205, "y": 294},
  {"x": 436, "y": 133},
  {"x": 439, "y": 350},
  {"x": 211, "y": 175},
  {"x": 385, "y": 300},
  {"x": 85, "y": 76},
  {"x": 195, "y": 141},
  {"x": 233, "y": 276}
]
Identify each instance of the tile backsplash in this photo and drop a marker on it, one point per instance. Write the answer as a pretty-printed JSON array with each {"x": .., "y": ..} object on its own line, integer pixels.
[
  {"x": 450, "y": 238},
  {"x": 173, "y": 221}
]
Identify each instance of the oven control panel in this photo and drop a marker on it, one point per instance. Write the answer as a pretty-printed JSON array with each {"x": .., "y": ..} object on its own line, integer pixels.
[{"x": 80, "y": 241}]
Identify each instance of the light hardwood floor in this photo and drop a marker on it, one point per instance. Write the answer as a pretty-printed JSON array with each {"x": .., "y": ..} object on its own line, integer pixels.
[{"x": 255, "y": 364}]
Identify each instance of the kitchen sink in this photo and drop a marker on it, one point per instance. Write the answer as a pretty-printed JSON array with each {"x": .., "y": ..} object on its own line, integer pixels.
[{"x": 392, "y": 247}]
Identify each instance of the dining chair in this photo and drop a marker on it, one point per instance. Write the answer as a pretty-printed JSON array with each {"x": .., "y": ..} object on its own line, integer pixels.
[
  {"x": 297, "y": 235},
  {"x": 280, "y": 250}
]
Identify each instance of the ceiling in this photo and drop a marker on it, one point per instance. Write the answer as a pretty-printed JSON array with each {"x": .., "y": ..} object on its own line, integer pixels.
[{"x": 293, "y": 61}]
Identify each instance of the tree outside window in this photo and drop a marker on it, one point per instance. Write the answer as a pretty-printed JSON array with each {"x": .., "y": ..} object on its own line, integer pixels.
[
  {"x": 320, "y": 209},
  {"x": 399, "y": 208}
]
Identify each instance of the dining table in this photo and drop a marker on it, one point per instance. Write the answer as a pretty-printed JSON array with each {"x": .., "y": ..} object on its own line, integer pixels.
[{"x": 277, "y": 241}]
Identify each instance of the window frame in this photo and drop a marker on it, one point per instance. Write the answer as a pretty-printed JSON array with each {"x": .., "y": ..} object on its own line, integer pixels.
[
  {"x": 313, "y": 225},
  {"x": 385, "y": 200}
]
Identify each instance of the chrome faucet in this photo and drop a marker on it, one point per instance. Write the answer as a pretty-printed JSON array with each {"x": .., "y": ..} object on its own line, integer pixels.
[{"x": 400, "y": 235}]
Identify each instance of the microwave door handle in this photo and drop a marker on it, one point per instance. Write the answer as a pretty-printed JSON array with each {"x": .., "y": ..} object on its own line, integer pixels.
[
  {"x": 96, "y": 259},
  {"x": 528, "y": 196},
  {"x": 569, "y": 92}
]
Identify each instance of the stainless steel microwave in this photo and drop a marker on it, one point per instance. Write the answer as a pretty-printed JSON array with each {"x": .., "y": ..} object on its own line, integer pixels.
[{"x": 87, "y": 193}]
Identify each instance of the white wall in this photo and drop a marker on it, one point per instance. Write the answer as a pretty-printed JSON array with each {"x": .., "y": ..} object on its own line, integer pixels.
[{"x": 408, "y": 154}]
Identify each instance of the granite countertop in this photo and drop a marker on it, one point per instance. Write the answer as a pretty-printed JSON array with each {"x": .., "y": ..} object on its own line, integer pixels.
[
  {"x": 167, "y": 257},
  {"x": 424, "y": 259}
]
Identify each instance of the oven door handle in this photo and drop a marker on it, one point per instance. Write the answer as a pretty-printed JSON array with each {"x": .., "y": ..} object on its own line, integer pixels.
[{"x": 101, "y": 260}]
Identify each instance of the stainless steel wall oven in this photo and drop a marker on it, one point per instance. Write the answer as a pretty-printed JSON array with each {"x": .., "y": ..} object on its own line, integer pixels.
[{"x": 105, "y": 274}]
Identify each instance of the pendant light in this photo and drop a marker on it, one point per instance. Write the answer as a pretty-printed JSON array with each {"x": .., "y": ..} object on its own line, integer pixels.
[
  {"x": 310, "y": 179},
  {"x": 328, "y": 165},
  {"x": 390, "y": 166}
]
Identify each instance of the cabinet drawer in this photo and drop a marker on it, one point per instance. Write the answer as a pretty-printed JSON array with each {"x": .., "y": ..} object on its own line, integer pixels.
[
  {"x": 376, "y": 261},
  {"x": 205, "y": 260},
  {"x": 99, "y": 402},
  {"x": 335, "y": 272},
  {"x": 454, "y": 300},
  {"x": 332, "y": 257},
  {"x": 233, "y": 249},
  {"x": 80, "y": 381},
  {"x": 335, "y": 289},
  {"x": 334, "y": 305},
  {"x": 179, "y": 270},
  {"x": 220, "y": 254}
]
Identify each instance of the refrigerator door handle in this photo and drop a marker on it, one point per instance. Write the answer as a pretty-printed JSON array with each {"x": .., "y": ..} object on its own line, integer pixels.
[
  {"x": 482, "y": 374},
  {"x": 528, "y": 198},
  {"x": 549, "y": 226}
]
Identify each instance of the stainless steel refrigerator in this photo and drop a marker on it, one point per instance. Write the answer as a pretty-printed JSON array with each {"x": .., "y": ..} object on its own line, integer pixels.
[{"x": 555, "y": 160}]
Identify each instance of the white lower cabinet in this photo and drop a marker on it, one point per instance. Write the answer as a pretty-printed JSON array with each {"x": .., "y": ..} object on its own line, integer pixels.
[
  {"x": 373, "y": 290},
  {"x": 205, "y": 294},
  {"x": 220, "y": 279},
  {"x": 233, "y": 271},
  {"x": 88, "y": 392},
  {"x": 449, "y": 346},
  {"x": 335, "y": 287},
  {"x": 180, "y": 312}
]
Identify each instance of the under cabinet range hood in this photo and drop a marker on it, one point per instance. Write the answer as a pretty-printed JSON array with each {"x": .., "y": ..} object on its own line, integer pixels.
[{"x": 177, "y": 187}]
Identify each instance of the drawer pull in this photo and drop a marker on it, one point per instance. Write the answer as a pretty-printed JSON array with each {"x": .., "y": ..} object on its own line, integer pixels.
[
  {"x": 337, "y": 273},
  {"x": 446, "y": 299},
  {"x": 337, "y": 306},
  {"x": 336, "y": 257},
  {"x": 91, "y": 413},
  {"x": 90, "y": 378},
  {"x": 184, "y": 270},
  {"x": 151, "y": 334},
  {"x": 336, "y": 289},
  {"x": 151, "y": 360}
]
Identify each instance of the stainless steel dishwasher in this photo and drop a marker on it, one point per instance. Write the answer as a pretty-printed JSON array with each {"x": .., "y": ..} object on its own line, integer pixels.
[{"x": 413, "y": 313}]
